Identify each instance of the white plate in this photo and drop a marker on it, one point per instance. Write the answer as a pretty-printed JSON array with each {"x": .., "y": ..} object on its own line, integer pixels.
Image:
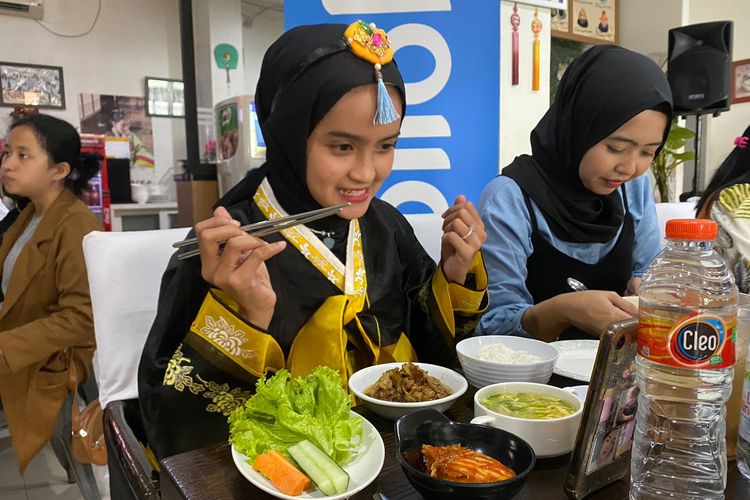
[
  {"x": 362, "y": 470},
  {"x": 576, "y": 359}
]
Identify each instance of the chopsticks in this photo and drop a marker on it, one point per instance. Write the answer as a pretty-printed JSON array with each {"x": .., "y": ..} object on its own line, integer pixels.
[{"x": 266, "y": 227}]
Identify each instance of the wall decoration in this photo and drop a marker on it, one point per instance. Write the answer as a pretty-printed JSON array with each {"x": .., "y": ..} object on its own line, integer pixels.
[
  {"x": 120, "y": 116},
  {"x": 588, "y": 21},
  {"x": 165, "y": 97},
  {"x": 741, "y": 81},
  {"x": 31, "y": 85},
  {"x": 515, "y": 21},
  {"x": 536, "y": 28}
]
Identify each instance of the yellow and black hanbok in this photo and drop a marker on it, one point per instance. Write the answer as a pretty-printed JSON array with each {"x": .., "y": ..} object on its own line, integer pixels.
[{"x": 374, "y": 297}]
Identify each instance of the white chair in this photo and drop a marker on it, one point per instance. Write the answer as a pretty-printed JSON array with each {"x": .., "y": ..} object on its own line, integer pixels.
[
  {"x": 667, "y": 211},
  {"x": 124, "y": 271}
]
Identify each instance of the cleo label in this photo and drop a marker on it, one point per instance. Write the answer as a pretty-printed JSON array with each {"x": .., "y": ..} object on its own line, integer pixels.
[{"x": 698, "y": 340}]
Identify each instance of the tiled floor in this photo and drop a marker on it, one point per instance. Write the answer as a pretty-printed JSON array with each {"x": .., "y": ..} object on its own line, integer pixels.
[{"x": 45, "y": 478}]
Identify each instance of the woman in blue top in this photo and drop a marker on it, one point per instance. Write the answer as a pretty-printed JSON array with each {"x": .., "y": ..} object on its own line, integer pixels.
[{"x": 579, "y": 205}]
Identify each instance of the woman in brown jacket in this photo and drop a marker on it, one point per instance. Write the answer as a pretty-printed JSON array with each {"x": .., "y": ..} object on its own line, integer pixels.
[{"x": 45, "y": 313}]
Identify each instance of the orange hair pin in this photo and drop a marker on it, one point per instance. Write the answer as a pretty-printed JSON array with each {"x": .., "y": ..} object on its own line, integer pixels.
[{"x": 371, "y": 43}]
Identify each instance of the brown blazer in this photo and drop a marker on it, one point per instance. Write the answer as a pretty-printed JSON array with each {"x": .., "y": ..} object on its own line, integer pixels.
[{"x": 46, "y": 312}]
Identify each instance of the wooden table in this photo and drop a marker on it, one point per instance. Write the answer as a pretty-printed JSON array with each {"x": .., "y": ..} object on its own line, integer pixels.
[{"x": 210, "y": 473}]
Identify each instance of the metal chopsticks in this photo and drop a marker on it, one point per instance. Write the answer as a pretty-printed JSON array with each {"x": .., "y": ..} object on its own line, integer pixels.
[{"x": 264, "y": 228}]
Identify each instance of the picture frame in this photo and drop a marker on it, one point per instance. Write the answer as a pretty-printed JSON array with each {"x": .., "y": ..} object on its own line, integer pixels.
[
  {"x": 36, "y": 85},
  {"x": 593, "y": 22},
  {"x": 741, "y": 81},
  {"x": 165, "y": 97}
]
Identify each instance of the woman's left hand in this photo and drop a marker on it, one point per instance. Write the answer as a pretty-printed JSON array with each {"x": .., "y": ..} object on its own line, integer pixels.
[{"x": 463, "y": 236}]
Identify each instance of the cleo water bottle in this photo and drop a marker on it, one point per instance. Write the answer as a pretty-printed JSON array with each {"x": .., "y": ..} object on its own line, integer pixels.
[{"x": 684, "y": 368}]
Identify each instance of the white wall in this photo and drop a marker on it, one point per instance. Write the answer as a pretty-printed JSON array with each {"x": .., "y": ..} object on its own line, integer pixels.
[
  {"x": 648, "y": 35},
  {"x": 130, "y": 40},
  {"x": 259, "y": 32},
  {"x": 721, "y": 131},
  {"x": 520, "y": 107}
]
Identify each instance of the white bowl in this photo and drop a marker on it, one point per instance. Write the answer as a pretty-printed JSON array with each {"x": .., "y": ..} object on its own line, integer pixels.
[
  {"x": 548, "y": 437},
  {"x": 479, "y": 382},
  {"x": 366, "y": 377},
  {"x": 480, "y": 372}
]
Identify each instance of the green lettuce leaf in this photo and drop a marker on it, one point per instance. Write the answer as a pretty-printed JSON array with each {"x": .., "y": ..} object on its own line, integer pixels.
[{"x": 285, "y": 410}]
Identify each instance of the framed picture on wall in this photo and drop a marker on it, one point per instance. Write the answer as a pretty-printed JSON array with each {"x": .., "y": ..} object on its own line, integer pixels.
[
  {"x": 165, "y": 97},
  {"x": 31, "y": 85},
  {"x": 588, "y": 21},
  {"x": 741, "y": 81}
]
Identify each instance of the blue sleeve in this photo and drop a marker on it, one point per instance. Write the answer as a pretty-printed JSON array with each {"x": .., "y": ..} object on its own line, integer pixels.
[
  {"x": 505, "y": 252},
  {"x": 643, "y": 210}
]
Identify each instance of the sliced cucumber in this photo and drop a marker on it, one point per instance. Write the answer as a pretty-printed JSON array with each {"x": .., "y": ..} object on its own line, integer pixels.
[
  {"x": 313, "y": 470},
  {"x": 336, "y": 474}
]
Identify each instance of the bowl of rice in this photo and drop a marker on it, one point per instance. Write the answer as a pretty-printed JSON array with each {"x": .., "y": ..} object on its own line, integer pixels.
[{"x": 492, "y": 359}]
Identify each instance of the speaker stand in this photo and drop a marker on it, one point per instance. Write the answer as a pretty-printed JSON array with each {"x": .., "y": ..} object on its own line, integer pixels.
[{"x": 697, "y": 162}]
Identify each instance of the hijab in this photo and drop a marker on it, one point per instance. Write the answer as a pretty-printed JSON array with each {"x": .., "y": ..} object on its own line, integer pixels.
[
  {"x": 303, "y": 75},
  {"x": 735, "y": 169},
  {"x": 601, "y": 90}
]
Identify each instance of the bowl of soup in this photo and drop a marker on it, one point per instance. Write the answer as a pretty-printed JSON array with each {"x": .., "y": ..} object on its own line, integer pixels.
[{"x": 546, "y": 417}]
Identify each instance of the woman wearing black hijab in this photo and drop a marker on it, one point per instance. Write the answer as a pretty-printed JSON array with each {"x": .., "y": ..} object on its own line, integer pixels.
[
  {"x": 347, "y": 291},
  {"x": 579, "y": 206}
]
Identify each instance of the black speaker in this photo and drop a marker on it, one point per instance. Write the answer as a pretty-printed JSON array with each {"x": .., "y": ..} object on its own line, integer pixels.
[{"x": 700, "y": 67}]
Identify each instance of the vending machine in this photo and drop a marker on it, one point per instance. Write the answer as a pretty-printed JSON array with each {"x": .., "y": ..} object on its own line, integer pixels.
[{"x": 239, "y": 142}]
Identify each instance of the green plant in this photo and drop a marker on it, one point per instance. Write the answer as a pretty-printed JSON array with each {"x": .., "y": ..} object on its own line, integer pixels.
[{"x": 670, "y": 157}]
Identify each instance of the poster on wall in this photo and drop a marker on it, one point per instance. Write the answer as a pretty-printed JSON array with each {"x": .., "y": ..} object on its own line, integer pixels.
[
  {"x": 559, "y": 20},
  {"x": 122, "y": 117},
  {"x": 31, "y": 85},
  {"x": 594, "y": 19},
  {"x": 587, "y": 21},
  {"x": 741, "y": 81},
  {"x": 449, "y": 56}
]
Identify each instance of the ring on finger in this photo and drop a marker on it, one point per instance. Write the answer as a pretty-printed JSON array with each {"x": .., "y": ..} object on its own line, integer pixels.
[{"x": 469, "y": 233}]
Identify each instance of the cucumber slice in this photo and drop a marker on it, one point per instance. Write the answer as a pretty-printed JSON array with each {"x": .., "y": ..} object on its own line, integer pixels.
[
  {"x": 336, "y": 474},
  {"x": 314, "y": 472}
]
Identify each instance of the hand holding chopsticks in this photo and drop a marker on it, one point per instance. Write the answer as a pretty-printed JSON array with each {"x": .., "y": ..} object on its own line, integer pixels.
[{"x": 264, "y": 228}]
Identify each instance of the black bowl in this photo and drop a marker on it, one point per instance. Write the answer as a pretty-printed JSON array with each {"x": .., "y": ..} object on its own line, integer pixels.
[{"x": 433, "y": 428}]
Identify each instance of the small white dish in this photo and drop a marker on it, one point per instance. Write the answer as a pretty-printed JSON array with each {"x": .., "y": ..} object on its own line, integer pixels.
[
  {"x": 362, "y": 469},
  {"x": 364, "y": 378},
  {"x": 579, "y": 390},
  {"x": 576, "y": 359}
]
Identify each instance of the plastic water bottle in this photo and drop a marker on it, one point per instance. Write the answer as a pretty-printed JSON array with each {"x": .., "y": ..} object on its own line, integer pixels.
[
  {"x": 743, "y": 437},
  {"x": 684, "y": 368}
]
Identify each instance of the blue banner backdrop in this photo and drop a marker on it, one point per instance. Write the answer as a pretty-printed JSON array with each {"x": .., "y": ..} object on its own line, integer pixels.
[{"x": 449, "y": 54}]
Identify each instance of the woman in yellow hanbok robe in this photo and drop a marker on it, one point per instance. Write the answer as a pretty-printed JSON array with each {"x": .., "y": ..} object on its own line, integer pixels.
[{"x": 346, "y": 291}]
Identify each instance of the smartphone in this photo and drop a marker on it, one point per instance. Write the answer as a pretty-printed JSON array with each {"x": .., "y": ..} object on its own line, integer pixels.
[{"x": 602, "y": 451}]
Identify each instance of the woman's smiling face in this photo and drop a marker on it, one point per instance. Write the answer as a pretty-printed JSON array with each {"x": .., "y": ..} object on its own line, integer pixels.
[{"x": 348, "y": 157}]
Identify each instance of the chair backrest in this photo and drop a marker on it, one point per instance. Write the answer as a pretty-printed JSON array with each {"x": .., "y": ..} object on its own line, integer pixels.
[
  {"x": 429, "y": 230},
  {"x": 124, "y": 271},
  {"x": 667, "y": 211}
]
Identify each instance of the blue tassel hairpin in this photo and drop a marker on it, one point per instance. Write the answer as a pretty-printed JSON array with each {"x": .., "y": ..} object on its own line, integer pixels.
[{"x": 372, "y": 44}]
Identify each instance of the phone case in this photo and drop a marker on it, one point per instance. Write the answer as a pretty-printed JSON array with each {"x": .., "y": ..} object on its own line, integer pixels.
[{"x": 602, "y": 452}]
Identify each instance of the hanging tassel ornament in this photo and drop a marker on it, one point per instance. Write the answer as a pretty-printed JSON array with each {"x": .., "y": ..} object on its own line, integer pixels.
[
  {"x": 536, "y": 27},
  {"x": 370, "y": 43},
  {"x": 515, "y": 21}
]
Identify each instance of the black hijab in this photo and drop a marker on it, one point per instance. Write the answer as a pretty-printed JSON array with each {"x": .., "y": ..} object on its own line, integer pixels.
[
  {"x": 303, "y": 75},
  {"x": 735, "y": 169},
  {"x": 601, "y": 90}
]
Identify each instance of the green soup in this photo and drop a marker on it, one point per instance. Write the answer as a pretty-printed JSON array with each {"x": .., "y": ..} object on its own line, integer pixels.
[{"x": 528, "y": 405}]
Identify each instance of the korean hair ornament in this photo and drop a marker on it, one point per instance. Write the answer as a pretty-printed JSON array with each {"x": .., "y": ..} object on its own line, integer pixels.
[{"x": 370, "y": 43}]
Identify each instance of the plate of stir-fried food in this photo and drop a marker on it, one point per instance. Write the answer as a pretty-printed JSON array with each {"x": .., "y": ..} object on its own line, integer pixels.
[
  {"x": 394, "y": 389},
  {"x": 446, "y": 459}
]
